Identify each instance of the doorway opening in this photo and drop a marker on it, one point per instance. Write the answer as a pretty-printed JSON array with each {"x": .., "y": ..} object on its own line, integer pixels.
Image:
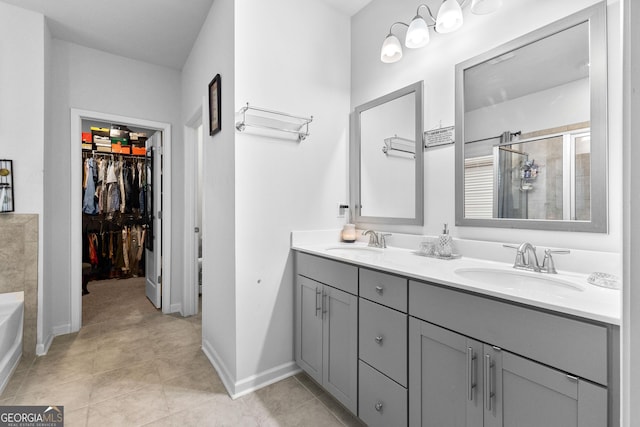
[
  {"x": 194, "y": 211},
  {"x": 153, "y": 161},
  {"x": 120, "y": 196}
]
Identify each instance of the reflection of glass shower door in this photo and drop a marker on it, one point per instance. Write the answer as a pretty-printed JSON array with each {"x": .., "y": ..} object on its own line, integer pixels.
[{"x": 510, "y": 201}]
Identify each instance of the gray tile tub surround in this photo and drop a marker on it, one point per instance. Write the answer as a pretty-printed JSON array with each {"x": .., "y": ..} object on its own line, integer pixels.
[{"x": 19, "y": 267}]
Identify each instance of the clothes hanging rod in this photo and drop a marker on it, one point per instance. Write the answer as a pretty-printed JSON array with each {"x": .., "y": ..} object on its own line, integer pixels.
[{"x": 85, "y": 153}]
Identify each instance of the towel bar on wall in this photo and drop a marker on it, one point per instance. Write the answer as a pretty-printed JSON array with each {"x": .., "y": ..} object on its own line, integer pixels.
[
  {"x": 273, "y": 120},
  {"x": 397, "y": 143}
]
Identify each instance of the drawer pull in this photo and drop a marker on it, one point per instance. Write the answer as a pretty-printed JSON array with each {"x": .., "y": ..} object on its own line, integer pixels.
[
  {"x": 489, "y": 394},
  {"x": 471, "y": 384},
  {"x": 318, "y": 308},
  {"x": 379, "y": 290},
  {"x": 378, "y": 406},
  {"x": 379, "y": 339}
]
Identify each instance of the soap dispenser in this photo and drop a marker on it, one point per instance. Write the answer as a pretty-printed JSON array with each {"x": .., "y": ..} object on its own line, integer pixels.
[{"x": 444, "y": 243}]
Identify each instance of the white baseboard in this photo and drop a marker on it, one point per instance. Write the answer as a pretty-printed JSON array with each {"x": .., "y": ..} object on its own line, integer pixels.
[
  {"x": 43, "y": 348},
  {"x": 265, "y": 378},
  {"x": 219, "y": 366},
  {"x": 250, "y": 384},
  {"x": 175, "y": 308}
]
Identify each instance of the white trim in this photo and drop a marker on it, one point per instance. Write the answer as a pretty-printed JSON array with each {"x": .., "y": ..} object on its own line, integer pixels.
[
  {"x": 219, "y": 366},
  {"x": 42, "y": 349},
  {"x": 61, "y": 330},
  {"x": 75, "y": 258},
  {"x": 190, "y": 291},
  {"x": 176, "y": 308},
  {"x": 237, "y": 389},
  {"x": 265, "y": 378}
]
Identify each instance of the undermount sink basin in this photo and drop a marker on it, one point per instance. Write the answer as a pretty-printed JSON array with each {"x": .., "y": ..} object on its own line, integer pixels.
[
  {"x": 354, "y": 250},
  {"x": 519, "y": 280}
]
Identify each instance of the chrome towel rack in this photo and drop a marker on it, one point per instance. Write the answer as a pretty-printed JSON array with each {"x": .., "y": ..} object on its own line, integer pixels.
[{"x": 274, "y": 120}]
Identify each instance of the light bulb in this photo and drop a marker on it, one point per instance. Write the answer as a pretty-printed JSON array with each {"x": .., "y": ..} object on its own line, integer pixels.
[
  {"x": 484, "y": 7},
  {"x": 449, "y": 17},
  {"x": 391, "y": 50},
  {"x": 417, "y": 34}
]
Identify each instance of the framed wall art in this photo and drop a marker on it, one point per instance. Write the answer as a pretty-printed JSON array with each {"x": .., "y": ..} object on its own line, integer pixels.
[
  {"x": 214, "y": 106},
  {"x": 6, "y": 186}
]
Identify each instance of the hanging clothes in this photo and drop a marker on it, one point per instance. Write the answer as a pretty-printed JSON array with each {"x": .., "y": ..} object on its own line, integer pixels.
[
  {"x": 114, "y": 228},
  {"x": 89, "y": 201}
]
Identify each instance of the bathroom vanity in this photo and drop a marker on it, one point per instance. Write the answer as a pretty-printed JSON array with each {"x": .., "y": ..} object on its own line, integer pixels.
[{"x": 403, "y": 340}]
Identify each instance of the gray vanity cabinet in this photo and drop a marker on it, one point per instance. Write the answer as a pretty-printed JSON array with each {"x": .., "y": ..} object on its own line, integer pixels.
[
  {"x": 327, "y": 326},
  {"x": 446, "y": 377},
  {"x": 460, "y": 382},
  {"x": 524, "y": 393},
  {"x": 309, "y": 323},
  {"x": 398, "y": 351}
]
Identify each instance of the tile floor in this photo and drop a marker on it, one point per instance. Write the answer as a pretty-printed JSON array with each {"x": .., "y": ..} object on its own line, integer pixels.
[{"x": 130, "y": 365}]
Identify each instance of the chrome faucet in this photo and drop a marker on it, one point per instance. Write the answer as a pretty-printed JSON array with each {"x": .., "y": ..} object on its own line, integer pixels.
[
  {"x": 548, "y": 266},
  {"x": 373, "y": 238},
  {"x": 376, "y": 240},
  {"x": 527, "y": 258}
]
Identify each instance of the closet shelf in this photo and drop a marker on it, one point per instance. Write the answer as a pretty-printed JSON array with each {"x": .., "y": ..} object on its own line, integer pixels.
[
  {"x": 397, "y": 143},
  {"x": 273, "y": 120}
]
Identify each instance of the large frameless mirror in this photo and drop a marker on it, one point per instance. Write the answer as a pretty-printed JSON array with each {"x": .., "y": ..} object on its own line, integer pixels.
[
  {"x": 531, "y": 139},
  {"x": 387, "y": 159}
]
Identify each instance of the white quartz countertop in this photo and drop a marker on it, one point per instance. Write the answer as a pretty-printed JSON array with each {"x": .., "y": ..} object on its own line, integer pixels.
[{"x": 574, "y": 296}]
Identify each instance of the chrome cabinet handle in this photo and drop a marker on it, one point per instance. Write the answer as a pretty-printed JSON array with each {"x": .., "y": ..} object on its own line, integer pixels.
[
  {"x": 318, "y": 308},
  {"x": 471, "y": 384},
  {"x": 379, "y": 339},
  {"x": 325, "y": 309},
  {"x": 379, "y": 290},
  {"x": 378, "y": 406},
  {"x": 488, "y": 382}
]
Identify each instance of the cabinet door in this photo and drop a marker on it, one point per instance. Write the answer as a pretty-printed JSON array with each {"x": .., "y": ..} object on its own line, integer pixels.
[
  {"x": 309, "y": 327},
  {"x": 523, "y": 393},
  {"x": 340, "y": 346},
  {"x": 445, "y": 384}
]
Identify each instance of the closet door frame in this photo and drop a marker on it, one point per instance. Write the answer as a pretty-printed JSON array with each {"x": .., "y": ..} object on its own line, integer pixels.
[{"x": 75, "y": 258}]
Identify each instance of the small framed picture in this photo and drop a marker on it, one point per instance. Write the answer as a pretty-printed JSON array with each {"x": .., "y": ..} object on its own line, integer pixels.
[
  {"x": 6, "y": 186},
  {"x": 214, "y": 106}
]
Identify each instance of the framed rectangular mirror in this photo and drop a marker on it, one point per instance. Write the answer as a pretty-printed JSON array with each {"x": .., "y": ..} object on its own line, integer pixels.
[
  {"x": 386, "y": 159},
  {"x": 531, "y": 130}
]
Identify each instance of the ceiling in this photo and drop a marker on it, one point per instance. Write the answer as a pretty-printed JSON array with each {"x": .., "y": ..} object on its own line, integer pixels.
[
  {"x": 348, "y": 7},
  {"x": 549, "y": 62},
  {"x": 160, "y": 32}
]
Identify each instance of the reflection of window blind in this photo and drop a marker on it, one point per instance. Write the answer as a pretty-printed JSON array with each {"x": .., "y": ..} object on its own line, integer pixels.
[{"x": 478, "y": 187}]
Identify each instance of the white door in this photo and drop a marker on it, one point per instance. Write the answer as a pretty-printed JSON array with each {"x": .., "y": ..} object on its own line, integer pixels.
[{"x": 153, "y": 251}]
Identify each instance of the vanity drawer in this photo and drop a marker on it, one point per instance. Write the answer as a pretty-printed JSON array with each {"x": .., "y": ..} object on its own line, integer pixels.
[
  {"x": 382, "y": 401},
  {"x": 573, "y": 346},
  {"x": 383, "y": 340},
  {"x": 384, "y": 289},
  {"x": 333, "y": 273}
]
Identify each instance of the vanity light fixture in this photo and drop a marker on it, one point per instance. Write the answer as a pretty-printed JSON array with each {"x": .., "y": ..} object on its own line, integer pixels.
[
  {"x": 391, "y": 49},
  {"x": 448, "y": 20}
]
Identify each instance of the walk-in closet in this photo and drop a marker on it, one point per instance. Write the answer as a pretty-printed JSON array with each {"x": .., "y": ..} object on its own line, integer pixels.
[{"x": 117, "y": 205}]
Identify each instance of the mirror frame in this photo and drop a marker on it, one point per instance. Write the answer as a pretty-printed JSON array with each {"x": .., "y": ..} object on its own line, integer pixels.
[
  {"x": 596, "y": 17},
  {"x": 355, "y": 151}
]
